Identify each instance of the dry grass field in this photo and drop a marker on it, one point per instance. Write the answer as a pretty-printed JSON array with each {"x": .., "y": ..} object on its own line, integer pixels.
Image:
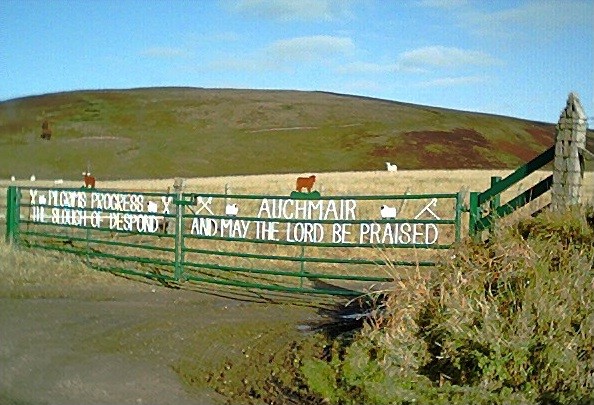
[{"x": 329, "y": 184}]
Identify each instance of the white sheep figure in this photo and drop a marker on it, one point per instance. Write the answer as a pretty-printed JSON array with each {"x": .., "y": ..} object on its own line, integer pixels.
[
  {"x": 391, "y": 167},
  {"x": 231, "y": 209},
  {"x": 58, "y": 181},
  {"x": 12, "y": 178},
  {"x": 388, "y": 212},
  {"x": 151, "y": 207},
  {"x": 32, "y": 177}
]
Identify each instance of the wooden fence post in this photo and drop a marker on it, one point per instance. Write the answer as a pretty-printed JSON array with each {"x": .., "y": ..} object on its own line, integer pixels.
[{"x": 570, "y": 144}]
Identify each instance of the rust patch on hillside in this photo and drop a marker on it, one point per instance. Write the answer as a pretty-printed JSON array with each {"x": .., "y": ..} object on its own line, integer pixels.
[
  {"x": 543, "y": 136},
  {"x": 459, "y": 148}
]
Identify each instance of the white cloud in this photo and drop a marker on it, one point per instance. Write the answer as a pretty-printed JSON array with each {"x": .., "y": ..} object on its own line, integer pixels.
[
  {"x": 311, "y": 48},
  {"x": 164, "y": 52},
  {"x": 422, "y": 60},
  {"x": 286, "y": 54},
  {"x": 543, "y": 17},
  {"x": 445, "y": 57},
  {"x": 286, "y": 10},
  {"x": 452, "y": 81}
]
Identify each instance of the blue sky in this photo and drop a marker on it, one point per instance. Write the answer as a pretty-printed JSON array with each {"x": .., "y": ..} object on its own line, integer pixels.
[{"x": 518, "y": 58}]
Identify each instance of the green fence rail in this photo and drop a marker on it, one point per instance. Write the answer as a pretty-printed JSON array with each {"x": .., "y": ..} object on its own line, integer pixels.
[
  {"x": 479, "y": 222},
  {"x": 326, "y": 245},
  {"x": 12, "y": 214}
]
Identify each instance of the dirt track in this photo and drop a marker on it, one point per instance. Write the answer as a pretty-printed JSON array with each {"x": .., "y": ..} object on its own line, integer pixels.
[{"x": 122, "y": 344}]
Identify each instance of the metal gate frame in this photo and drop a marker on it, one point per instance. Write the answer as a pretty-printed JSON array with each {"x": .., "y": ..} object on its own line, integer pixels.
[{"x": 174, "y": 255}]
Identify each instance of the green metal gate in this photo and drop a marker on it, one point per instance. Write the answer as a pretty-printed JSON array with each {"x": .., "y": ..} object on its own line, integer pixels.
[{"x": 325, "y": 245}]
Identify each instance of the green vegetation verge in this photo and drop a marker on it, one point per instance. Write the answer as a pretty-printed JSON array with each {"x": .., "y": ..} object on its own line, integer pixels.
[{"x": 506, "y": 322}]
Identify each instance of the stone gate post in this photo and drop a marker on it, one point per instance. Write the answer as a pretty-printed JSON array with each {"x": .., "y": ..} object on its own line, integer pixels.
[{"x": 570, "y": 147}]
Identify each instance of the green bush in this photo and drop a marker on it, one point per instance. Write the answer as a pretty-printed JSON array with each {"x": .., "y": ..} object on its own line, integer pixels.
[{"x": 509, "y": 321}]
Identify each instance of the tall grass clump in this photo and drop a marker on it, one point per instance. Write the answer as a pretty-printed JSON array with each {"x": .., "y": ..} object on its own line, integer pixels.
[{"x": 506, "y": 321}]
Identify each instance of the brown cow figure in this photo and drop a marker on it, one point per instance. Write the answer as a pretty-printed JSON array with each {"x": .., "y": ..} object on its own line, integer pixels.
[
  {"x": 89, "y": 180},
  {"x": 305, "y": 182}
]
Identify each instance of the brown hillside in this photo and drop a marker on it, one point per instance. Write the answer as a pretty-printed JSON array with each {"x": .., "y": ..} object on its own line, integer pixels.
[{"x": 194, "y": 132}]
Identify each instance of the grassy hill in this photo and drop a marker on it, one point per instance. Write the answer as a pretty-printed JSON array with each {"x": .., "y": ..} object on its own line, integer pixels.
[{"x": 194, "y": 132}]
